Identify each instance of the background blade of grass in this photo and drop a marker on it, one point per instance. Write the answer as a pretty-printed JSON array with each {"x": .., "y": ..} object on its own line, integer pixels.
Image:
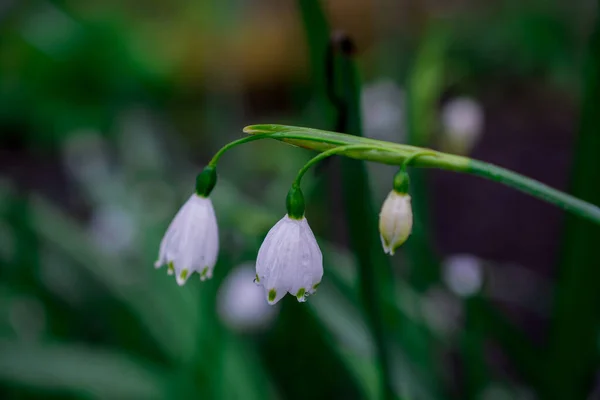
[
  {"x": 169, "y": 318},
  {"x": 317, "y": 38},
  {"x": 341, "y": 83},
  {"x": 424, "y": 87},
  {"x": 361, "y": 217},
  {"x": 81, "y": 370},
  {"x": 573, "y": 352}
]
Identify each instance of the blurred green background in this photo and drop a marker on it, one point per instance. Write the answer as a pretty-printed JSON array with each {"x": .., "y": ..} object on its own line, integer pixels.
[{"x": 109, "y": 108}]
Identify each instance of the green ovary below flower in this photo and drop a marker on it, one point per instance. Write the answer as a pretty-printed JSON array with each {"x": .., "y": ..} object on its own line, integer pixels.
[{"x": 395, "y": 221}]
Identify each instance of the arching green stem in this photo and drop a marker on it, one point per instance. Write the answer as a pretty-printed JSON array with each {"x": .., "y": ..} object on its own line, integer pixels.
[
  {"x": 329, "y": 153},
  {"x": 229, "y": 146},
  {"x": 397, "y": 154},
  {"x": 401, "y": 179}
]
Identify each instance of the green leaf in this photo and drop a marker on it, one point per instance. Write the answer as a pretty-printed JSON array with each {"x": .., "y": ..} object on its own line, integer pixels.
[
  {"x": 317, "y": 39},
  {"x": 96, "y": 373},
  {"x": 168, "y": 317},
  {"x": 573, "y": 355},
  {"x": 424, "y": 88},
  {"x": 351, "y": 339},
  {"x": 239, "y": 363},
  {"x": 342, "y": 86}
]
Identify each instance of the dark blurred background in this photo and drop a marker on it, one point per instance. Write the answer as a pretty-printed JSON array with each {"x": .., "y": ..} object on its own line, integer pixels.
[{"x": 109, "y": 108}]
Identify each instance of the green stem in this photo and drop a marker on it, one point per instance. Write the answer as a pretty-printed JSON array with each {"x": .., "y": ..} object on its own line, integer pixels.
[
  {"x": 536, "y": 189},
  {"x": 329, "y": 153},
  {"x": 229, "y": 146},
  {"x": 414, "y": 156},
  {"x": 386, "y": 152},
  {"x": 397, "y": 154},
  {"x": 573, "y": 341}
]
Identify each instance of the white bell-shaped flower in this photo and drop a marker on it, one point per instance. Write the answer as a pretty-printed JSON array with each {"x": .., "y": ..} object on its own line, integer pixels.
[
  {"x": 395, "y": 221},
  {"x": 191, "y": 243},
  {"x": 289, "y": 260}
]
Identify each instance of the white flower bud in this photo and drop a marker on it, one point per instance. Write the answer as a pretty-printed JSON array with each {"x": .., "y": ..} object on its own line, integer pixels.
[
  {"x": 395, "y": 221},
  {"x": 289, "y": 261},
  {"x": 192, "y": 241}
]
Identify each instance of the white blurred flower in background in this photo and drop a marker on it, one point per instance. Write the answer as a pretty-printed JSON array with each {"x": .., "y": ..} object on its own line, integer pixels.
[
  {"x": 462, "y": 123},
  {"x": 515, "y": 284},
  {"x": 87, "y": 161},
  {"x": 441, "y": 311},
  {"x": 383, "y": 111},
  {"x": 112, "y": 228},
  {"x": 463, "y": 274},
  {"x": 383, "y": 107},
  {"x": 241, "y": 304}
]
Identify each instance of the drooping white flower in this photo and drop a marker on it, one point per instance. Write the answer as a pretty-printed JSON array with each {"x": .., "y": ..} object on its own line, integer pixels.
[
  {"x": 395, "y": 221},
  {"x": 289, "y": 260},
  {"x": 191, "y": 243}
]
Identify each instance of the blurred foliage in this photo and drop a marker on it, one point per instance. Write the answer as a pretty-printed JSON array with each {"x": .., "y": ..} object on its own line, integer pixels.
[{"x": 108, "y": 109}]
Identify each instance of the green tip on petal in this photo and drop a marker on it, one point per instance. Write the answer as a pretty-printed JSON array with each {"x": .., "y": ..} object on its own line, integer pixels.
[
  {"x": 386, "y": 242},
  {"x": 300, "y": 294},
  {"x": 256, "y": 279},
  {"x": 204, "y": 274},
  {"x": 316, "y": 285},
  {"x": 272, "y": 295},
  {"x": 170, "y": 268},
  {"x": 184, "y": 274},
  {"x": 387, "y": 247}
]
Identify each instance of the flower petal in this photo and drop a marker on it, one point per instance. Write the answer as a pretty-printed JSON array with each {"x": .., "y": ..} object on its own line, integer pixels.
[
  {"x": 191, "y": 243},
  {"x": 289, "y": 261},
  {"x": 395, "y": 221}
]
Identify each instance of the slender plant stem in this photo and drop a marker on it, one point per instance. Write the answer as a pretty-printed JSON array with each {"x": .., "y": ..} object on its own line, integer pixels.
[
  {"x": 536, "y": 189},
  {"x": 229, "y": 146},
  {"x": 396, "y": 154},
  {"x": 414, "y": 156},
  {"x": 527, "y": 185},
  {"x": 329, "y": 153}
]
